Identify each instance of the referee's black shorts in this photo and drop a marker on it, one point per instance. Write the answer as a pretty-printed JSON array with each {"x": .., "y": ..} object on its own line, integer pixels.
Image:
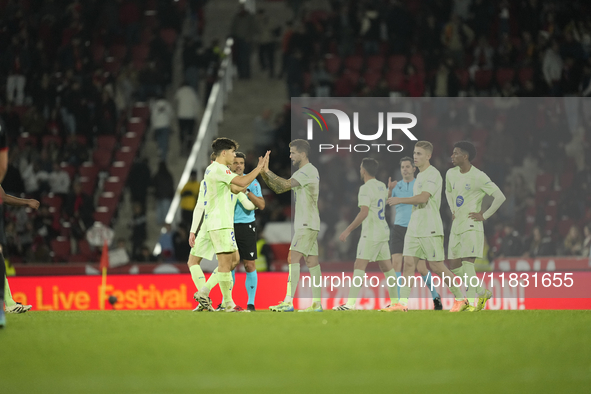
[
  {"x": 246, "y": 239},
  {"x": 397, "y": 239}
]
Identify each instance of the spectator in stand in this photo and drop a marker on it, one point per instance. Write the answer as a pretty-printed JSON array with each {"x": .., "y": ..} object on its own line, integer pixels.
[
  {"x": 144, "y": 255},
  {"x": 107, "y": 115},
  {"x": 75, "y": 153},
  {"x": 189, "y": 195},
  {"x": 166, "y": 244},
  {"x": 456, "y": 37},
  {"x": 370, "y": 31},
  {"x": 139, "y": 180},
  {"x": 552, "y": 68},
  {"x": 187, "y": 105},
  {"x": 163, "y": 191},
  {"x": 161, "y": 119},
  {"x": 444, "y": 83},
  {"x": 414, "y": 84},
  {"x": 243, "y": 29},
  {"x": 483, "y": 57},
  {"x": 295, "y": 74},
  {"x": 12, "y": 122},
  {"x": 586, "y": 249},
  {"x": 285, "y": 47},
  {"x": 511, "y": 244},
  {"x": 79, "y": 208},
  {"x": 321, "y": 80},
  {"x": 33, "y": 122},
  {"x": 263, "y": 130},
  {"x": 539, "y": 245},
  {"x": 59, "y": 181},
  {"x": 266, "y": 41},
  {"x": 138, "y": 228},
  {"x": 18, "y": 62},
  {"x": 573, "y": 243},
  {"x": 181, "y": 246}
]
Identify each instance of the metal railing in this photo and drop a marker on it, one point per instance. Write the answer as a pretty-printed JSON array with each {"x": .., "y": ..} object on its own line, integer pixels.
[{"x": 208, "y": 129}]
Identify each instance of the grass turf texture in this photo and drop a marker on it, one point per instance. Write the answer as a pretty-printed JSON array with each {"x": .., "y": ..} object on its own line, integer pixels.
[{"x": 185, "y": 352}]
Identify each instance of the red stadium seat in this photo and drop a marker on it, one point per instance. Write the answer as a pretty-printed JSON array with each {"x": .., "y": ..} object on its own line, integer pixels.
[
  {"x": 375, "y": 63},
  {"x": 395, "y": 80},
  {"x": 463, "y": 77},
  {"x": 169, "y": 37},
  {"x": 526, "y": 74},
  {"x": 89, "y": 170},
  {"x": 140, "y": 110},
  {"x": 102, "y": 158},
  {"x": 482, "y": 79},
  {"x": 131, "y": 139},
  {"x": 332, "y": 63},
  {"x": 118, "y": 52},
  {"x": 108, "y": 200},
  {"x": 372, "y": 78},
  {"x": 61, "y": 249},
  {"x": 87, "y": 185},
  {"x": 418, "y": 61},
  {"x": 504, "y": 75},
  {"x": 140, "y": 52},
  {"x": 103, "y": 215},
  {"x": 106, "y": 142},
  {"x": 343, "y": 87},
  {"x": 352, "y": 76},
  {"x": 120, "y": 170},
  {"x": 396, "y": 63},
  {"x": 125, "y": 154},
  {"x": 98, "y": 53},
  {"x": 564, "y": 226},
  {"x": 71, "y": 170},
  {"x": 51, "y": 200},
  {"x": 112, "y": 66},
  {"x": 544, "y": 182},
  {"x": 354, "y": 62}
]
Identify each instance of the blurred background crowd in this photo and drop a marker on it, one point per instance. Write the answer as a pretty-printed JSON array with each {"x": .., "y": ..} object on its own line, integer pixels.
[{"x": 71, "y": 73}]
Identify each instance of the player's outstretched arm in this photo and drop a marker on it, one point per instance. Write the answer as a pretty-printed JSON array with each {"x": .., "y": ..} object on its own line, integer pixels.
[
  {"x": 363, "y": 212},
  {"x": 244, "y": 181},
  {"x": 275, "y": 182},
  {"x": 18, "y": 202},
  {"x": 414, "y": 200}
]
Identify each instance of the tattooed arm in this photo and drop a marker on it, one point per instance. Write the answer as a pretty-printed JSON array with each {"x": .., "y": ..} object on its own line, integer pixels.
[{"x": 277, "y": 184}]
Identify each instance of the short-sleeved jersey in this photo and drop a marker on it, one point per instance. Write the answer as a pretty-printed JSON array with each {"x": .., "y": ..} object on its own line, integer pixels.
[
  {"x": 242, "y": 215},
  {"x": 467, "y": 192},
  {"x": 403, "y": 211},
  {"x": 425, "y": 220},
  {"x": 306, "y": 198},
  {"x": 373, "y": 194},
  {"x": 219, "y": 210}
]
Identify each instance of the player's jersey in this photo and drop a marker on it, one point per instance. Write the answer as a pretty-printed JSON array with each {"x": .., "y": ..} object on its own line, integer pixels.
[
  {"x": 242, "y": 215},
  {"x": 306, "y": 198},
  {"x": 373, "y": 194},
  {"x": 425, "y": 220},
  {"x": 3, "y": 147},
  {"x": 201, "y": 203},
  {"x": 403, "y": 211},
  {"x": 219, "y": 210},
  {"x": 467, "y": 192}
]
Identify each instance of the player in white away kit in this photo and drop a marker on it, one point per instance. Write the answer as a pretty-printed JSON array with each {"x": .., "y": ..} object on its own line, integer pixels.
[
  {"x": 219, "y": 216},
  {"x": 424, "y": 237},
  {"x": 305, "y": 184},
  {"x": 465, "y": 188},
  {"x": 201, "y": 248},
  {"x": 375, "y": 234}
]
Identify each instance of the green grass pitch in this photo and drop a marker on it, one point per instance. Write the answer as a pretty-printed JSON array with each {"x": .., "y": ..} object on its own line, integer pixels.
[{"x": 330, "y": 352}]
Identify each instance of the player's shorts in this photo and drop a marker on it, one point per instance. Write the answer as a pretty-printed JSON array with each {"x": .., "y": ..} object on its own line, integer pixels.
[
  {"x": 373, "y": 251},
  {"x": 246, "y": 239},
  {"x": 397, "y": 239},
  {"x": 305, "y": 241},
  {"x": 223, "y": 240},
  {"x": 467, "y": 244},
  {"x": 425, "y": 248},
  {"x": 203, "y": 247}
]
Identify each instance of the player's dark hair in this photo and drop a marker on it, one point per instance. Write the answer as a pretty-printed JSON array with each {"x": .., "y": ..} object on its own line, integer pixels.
[
  {"x": 241, "y": 155},
  {"x": 406, "y": 158},
  {"x": 468, "y": 148},
  {"x": 302, "y": 146},
  {"x": 370, "y": 166},
  {"x": 220, "y": 144},
  {"x": 212, "y": 156}
]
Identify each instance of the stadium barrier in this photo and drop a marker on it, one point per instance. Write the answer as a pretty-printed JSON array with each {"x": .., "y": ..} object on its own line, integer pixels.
[{"x": 175, "y": 291}]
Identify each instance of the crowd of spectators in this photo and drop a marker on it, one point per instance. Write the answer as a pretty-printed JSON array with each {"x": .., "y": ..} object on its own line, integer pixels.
[
  {"x": 70, "y": 71},
  {"x": 444, "y": 49}
]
